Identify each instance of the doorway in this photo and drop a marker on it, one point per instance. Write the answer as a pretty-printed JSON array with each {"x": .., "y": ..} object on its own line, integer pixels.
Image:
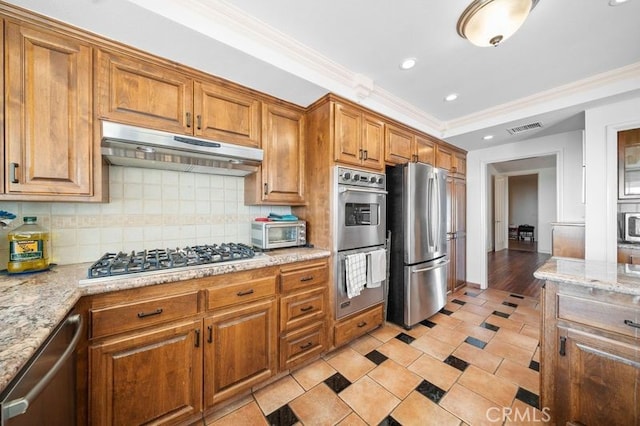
[{"x": 523, "y": 205}]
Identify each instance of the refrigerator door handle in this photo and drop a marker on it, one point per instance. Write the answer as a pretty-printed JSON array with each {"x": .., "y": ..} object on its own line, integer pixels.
[
  {"x": 434, "y": 215},
  {"x": 430, "y": 213},
  {"x": 416, "y": 271}
]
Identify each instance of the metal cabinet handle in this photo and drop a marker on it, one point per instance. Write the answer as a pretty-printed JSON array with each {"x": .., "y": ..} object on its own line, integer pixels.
[
  {"x": 210, "y": 338},
  {"x": 306, "y": 345},
  {"x": 199, "y": 121},
  {"x": 20, "y": 405},
  {"x": 563, "y": 346},
  {"x": 188, "y": 119},
  {"x": 149, "y": 314},
  {"x": 308, "y": 278},
  {"x": 360, "y": 154},
  {"x": 306, "y": 309},
  {"x": 266, "y": 189},
  {"x": 245, "y": 292},
  {"x": 366, "y": 154},
  {"x": 197, "y": 337},
  {"x": 13, "y": 175},
  {"x": 632, "y": 324},
  {"x": 362, "y": 324}
]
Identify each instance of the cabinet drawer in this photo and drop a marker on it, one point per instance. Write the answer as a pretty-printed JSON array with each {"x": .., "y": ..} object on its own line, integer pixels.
[
  {"x": 302, "y": 308},
  {"x": 120, "y": 318},
  {"x": 356, "y": 326},
  {"x": 310, "y": 275},
  {"x": 606, "y": 316},
  {"x": 301, "y": 345},
  {"x": 246, "y": 291}
]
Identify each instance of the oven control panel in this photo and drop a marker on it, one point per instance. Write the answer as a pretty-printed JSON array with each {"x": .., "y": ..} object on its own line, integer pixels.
[{"x": 361, "y": 178}]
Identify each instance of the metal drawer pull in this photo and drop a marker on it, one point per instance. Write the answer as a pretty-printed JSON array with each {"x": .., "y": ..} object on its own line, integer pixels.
[
  {"x": 632, "y": 324},
  {"x": 307, "y": 308},
  {"x": 303, "y": 279},
  {"x": 210, "y": 338},
  {"x": 563, "y": 346},
  {"x": 244, "y": 293},
  {"x": 306, "y": 345},
  {"x": 362, "y": 324},
  {"x": 149, "y": 314},
  {"x": 197, "y": 337}
]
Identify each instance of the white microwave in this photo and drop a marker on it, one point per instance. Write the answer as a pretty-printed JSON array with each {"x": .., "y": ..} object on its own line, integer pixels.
[
  {"x": 629, "y": 227},
  {"x": 274, "y": 235}
]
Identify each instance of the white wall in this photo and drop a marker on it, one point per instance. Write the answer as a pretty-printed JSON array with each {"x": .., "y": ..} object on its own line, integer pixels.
[
  {"x": 148, "y": 209},
  {"x": 601, "y": 153},
  {"x": 568, "y": 150},
  {"x": 523, "y": 201},
  {"x": 547, "y": 207}
]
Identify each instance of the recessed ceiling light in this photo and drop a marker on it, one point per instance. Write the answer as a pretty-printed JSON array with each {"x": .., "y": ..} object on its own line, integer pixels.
[
  {"x": 616, "y": 2},
  {"x": 408, "y": 63},
  {"x": 451, "y": 97},
  {"x": 487, "y": 137}
]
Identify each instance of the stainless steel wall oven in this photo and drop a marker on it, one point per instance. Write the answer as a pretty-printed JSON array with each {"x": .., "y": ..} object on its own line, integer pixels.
[{"x": 360, "y": 225}]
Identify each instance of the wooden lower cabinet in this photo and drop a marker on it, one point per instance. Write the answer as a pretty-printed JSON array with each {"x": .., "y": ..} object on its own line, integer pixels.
[
  {"x": 456, "y": 233},
  {"x": 239, "y": 349},
  {"x": 590, "y": 356},
  {"x": 567, "y": 240},
  {"x": 152, "y": 377},
  {"x": 357, "y": 325}
]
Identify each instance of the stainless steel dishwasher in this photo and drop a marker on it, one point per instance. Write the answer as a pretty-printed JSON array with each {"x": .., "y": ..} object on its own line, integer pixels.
[{"x": 44, "y": 392}]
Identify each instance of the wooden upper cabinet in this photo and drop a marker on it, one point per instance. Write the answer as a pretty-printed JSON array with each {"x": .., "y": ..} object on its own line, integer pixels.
[
  {"x": 399, "y": 146},
  {"x": 460, "y": 163},
  {"x": 358, "y": 137},
  {"x": 629, "y": 164},
  {"x": 280, "y": 179},
  {"x": 444, "y": 157},
  {"x": 148, "y": 94},
  {"x": 133, "y": 91},
  {"x": 425, "y": 150},
  {"x": 373, "y": 142},
  {"x": 226, "y": 114},
  {"x": 347, "y": 134},
  {"x": 48, "y": 113}
]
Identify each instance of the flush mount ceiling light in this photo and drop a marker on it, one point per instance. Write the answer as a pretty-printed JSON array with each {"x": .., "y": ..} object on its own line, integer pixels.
[
  {"x": 490, "y": 22},
  {"x": 616, "y": 2},
  {"x": 487, "y": 137},
  {"x": 408, "y": 63},
  {"x": 451, "y": 97}
]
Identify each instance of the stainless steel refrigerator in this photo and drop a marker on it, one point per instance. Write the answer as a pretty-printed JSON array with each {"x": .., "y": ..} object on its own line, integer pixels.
[{"x": 416, "y": 217}]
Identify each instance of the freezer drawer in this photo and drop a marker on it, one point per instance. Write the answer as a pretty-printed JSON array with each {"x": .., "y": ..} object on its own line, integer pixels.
[{"x": 425, "y": 290}]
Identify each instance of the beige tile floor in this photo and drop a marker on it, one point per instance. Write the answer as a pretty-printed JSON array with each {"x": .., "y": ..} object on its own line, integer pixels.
[{"x": 476, "y": 362}]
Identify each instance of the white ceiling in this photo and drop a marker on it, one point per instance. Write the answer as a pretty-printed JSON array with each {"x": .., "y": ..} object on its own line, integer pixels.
[{"x": 568, "y": 55}]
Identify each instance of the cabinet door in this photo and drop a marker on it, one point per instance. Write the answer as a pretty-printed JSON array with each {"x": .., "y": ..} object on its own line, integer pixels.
[
  {"x": 629, "y": 164},
  {"x": 596, "y": 381},
  {"x": 425, "y": 150},
  {"x": 460, "y": 230},
  {"x": 240, "y": 349},
  {"x": 284, "y": 156},
  {"x": 347, "y": 135},
  {"x": 459, "y": 163},
  {"x": 226, "y": 115},
  {"x": 444, "y": 157},
  {"x": 48, "y": 113},
  {"x": 373, "y": 130},
  {"x": 155, "y": 376},
  {"x": 398, "y": 145},
  {"x": 144, "y": 94}
]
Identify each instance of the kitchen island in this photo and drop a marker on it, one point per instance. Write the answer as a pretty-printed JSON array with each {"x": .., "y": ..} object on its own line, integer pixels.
[
  {"x": 590, "y": 342},
  {"x": 32, "y": 305}
]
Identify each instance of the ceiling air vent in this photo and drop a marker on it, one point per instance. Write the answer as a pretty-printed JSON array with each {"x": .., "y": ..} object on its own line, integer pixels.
[{"x": 525, "y": 127}]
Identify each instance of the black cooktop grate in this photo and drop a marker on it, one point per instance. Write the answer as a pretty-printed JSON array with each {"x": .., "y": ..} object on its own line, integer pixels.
[{"x": 121, "y": 263}]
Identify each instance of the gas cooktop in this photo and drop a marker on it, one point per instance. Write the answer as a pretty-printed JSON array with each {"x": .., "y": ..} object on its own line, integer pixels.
[{"x": 121, "y": 263}]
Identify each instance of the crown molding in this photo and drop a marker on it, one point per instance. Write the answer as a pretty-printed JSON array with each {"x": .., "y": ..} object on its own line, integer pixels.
[{"x": 610, "y": 83}]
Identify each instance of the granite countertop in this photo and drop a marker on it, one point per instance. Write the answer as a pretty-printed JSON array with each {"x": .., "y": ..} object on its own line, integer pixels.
[
  {"x": 32, "y": 305},
  {"x": 616, "y": 277},
  {"x": 634, "y": 246},
  {"x": 567, "y": 223}
]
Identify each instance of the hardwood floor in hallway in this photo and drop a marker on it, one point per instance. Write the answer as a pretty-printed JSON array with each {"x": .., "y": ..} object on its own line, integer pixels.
[{"x": 512, "y": 270}]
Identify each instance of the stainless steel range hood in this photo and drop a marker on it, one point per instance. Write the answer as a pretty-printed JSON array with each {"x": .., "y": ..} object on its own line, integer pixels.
[{"x": 124, "y": 145}]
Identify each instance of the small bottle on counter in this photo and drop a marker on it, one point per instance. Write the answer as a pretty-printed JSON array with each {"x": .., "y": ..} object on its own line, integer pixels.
[{"x": 28, "y": 247}]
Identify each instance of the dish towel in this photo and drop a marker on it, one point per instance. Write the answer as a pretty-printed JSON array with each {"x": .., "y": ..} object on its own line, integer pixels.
[
  {"x": 356, "y": 273},
  {"x": 376, "y": 268}
]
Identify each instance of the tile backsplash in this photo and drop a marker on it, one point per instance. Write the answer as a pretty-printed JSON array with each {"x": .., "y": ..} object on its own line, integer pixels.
[{"x": 147, "y": 209}]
